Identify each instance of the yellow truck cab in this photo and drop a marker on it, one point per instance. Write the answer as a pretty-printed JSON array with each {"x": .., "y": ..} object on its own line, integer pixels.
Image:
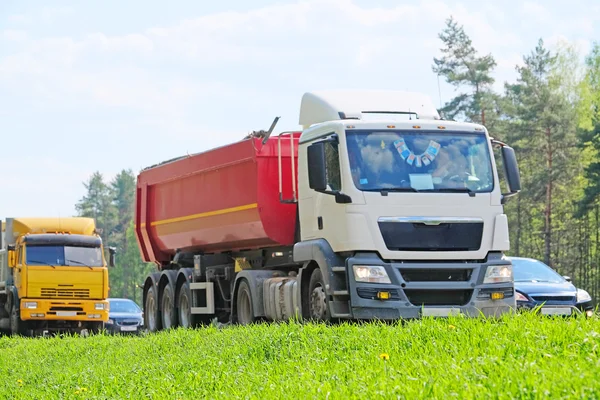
[{"x": 53, "y": 276}]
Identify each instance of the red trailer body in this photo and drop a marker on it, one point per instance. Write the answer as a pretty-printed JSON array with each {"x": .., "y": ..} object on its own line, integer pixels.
[{"x": 224, "y": 199}]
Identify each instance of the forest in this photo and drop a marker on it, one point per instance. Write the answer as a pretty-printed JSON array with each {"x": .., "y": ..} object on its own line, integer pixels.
[{"x": 550, "y": 115}]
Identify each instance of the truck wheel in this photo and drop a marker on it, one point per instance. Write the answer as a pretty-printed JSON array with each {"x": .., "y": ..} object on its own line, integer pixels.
[
  {"x": 151, "y": 320},
  {"x": 17, "y": 326},
  {"x": 169, "y": 312},
  {"x": 245, "y": 313},
  {"x": 318, "y": 306}
]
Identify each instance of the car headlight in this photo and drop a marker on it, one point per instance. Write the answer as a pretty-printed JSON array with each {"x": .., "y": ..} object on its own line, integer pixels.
[
  {"x": 370, "y": 273},
  {"x": 498, "y": 274},
  {"x": 583, "y": 296},
  {"x": 520, "y": 297},
  {"x": 99, "y": 306},
  {"x": 32, "y": 305},
  {"x": 110, "y": 321}
]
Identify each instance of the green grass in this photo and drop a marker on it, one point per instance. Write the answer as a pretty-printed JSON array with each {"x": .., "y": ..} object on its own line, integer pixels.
[{"x": 521, "y": 356}]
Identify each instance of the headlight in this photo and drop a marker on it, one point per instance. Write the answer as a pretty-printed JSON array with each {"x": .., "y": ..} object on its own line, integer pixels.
[
  {"x": 520, "y": 297},
  {"x": 99, "y": 306},
  {"x": 110, "y": 321},
  {"x": 371, "y": 274},
  {"x": 498, "y": 273},
  {"x": 30, "y": 304},
  {"x": 583, "y": 296}
]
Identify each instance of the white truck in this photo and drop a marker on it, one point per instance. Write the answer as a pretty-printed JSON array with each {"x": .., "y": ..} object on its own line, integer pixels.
[{"x": 376, "y": 209}]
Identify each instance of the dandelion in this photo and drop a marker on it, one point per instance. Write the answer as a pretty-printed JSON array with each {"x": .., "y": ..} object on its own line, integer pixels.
[
  {"x": 20, "y": 382},
  {"x": 451, "y": 327},
  {"x": 384, "y": 356},
  {"x": 77, "y": 392}
]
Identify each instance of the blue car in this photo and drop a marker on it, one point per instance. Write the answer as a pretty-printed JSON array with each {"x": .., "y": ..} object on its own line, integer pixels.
[
  {"x": 124, "y": 316},
  {"x": 536, "y": 284}
]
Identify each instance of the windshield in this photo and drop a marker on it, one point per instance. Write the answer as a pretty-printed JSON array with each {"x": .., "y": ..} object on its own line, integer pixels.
[
  {"x": 534, "y": 271},
  {"x": 124, "y": 306},
  {"x": 409, "y": 160},
  {"x": 64, "y": 256}
]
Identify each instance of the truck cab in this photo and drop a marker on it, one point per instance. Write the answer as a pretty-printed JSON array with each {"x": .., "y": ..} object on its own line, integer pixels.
[
  {"x": 54, "y": 276},
  {"x": 416, "y": 203}
]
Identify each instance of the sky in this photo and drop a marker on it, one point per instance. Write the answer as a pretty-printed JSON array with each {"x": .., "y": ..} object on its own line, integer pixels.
[{"x": 108, "y": 85}]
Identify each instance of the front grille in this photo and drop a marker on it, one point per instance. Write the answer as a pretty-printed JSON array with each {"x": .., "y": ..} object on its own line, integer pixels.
[
  {"x": 370, "y": 293},
  {"x": 436, "y": 275},
  {"x": 66, "y": 293},
  {"x": 429, "y": 297},
  {"x": 554, "y": 298},
  {"x": 408, "y": 236},
  {"x": 65, "y": 308},
  {"x": 127, "y": 322}
]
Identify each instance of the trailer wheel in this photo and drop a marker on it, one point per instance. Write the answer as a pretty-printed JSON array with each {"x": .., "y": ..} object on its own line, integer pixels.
[
  {"x": 318, "y": 306},
  {"x": 169, "y": 312},
  {"x": 184, "y": 304},
  {"x": 151, "y": 320},
  {"x": 245, "y": 313}
]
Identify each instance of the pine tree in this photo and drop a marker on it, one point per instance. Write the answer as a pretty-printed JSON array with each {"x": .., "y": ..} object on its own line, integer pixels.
[
  {"x": 547, "y": 124},
  {"x": 461, "y": 65}
]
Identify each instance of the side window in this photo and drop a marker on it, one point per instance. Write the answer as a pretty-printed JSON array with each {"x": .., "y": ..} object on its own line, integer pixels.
[
  {"x": 20, "y": 255},
  {"x": 332, "y": 159}
]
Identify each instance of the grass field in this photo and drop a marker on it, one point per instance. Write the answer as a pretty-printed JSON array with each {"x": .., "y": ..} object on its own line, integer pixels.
[{"x": 520, "y": 356}]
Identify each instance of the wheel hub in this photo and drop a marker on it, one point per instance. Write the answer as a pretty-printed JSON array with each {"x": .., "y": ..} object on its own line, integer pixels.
[{"x": 318, "y": 303}]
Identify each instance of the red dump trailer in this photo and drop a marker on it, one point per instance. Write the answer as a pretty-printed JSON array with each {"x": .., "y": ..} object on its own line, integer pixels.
[
  {"x": 224, "y": 199},
  {"x": 202, "y": 218}
]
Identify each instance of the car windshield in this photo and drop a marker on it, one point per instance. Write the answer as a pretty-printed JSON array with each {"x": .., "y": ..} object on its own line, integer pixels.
[
  {"x": 534, "y": 271},
  {"x": 64, "y": 256},
  {"x": 124, "y": 306},
  {"x": 420, "y": 161}
]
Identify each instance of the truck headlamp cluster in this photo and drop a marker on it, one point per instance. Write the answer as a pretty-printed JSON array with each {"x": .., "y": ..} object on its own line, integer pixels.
[
  {"x": 31, "y": 305},
  {"x": 99, "y": 306},
  {"x": 498, "y": 274},
  {"x": 370, "y": 274}
]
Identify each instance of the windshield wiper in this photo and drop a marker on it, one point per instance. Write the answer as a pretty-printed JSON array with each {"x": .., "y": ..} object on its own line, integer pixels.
[
  {"x": 457, "y": 190},
  {"x": 80, "y": 263},
  {"x": 41, "y": 262}
]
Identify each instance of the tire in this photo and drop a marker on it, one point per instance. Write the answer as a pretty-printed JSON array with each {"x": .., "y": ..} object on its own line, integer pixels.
[
  {"x": 168, "y": 309},
  {"x": 17, "y": 326},
  {"x": 152, "y": 321},
  {"x": 184, "y": 306},
  {"x": 244, "y": 305},
  {"x": 95, "y": 328},
  {"x": 318, "y": 305}
]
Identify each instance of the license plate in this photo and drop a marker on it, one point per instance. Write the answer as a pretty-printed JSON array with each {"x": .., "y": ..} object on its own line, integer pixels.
[
  {"x": 129, "y": 328},
  {"x": 66, "y": 313},
  {"x": 557, "y": 311},
  {"x": 440, "y": 311}
]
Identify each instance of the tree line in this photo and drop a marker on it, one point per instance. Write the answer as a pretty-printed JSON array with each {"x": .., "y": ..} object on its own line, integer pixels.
[
  {"x": 112, "y": 205},
  {"x": 550, "y": 115}
]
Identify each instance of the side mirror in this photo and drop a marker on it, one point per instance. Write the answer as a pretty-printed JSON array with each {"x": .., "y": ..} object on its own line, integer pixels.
[
  {"x": 317, "y": 174},
  {"x": 111, "y": 256},
  {"x": 567, "y": 278},
  {"x": 511, "y": 170},
  {"x": 12, "y": 256}
]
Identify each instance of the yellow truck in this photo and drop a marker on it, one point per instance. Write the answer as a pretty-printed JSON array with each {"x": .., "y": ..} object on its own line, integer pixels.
[{"x": 53, "y": 276}]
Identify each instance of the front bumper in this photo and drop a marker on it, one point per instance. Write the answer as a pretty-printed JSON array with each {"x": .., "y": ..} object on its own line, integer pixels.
[
  {"x": 561, "y": 309},
  {"x": 419, "y": 289},
  {"x": 64, "y": 310},
  {"x": 116, "y": 328}
]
